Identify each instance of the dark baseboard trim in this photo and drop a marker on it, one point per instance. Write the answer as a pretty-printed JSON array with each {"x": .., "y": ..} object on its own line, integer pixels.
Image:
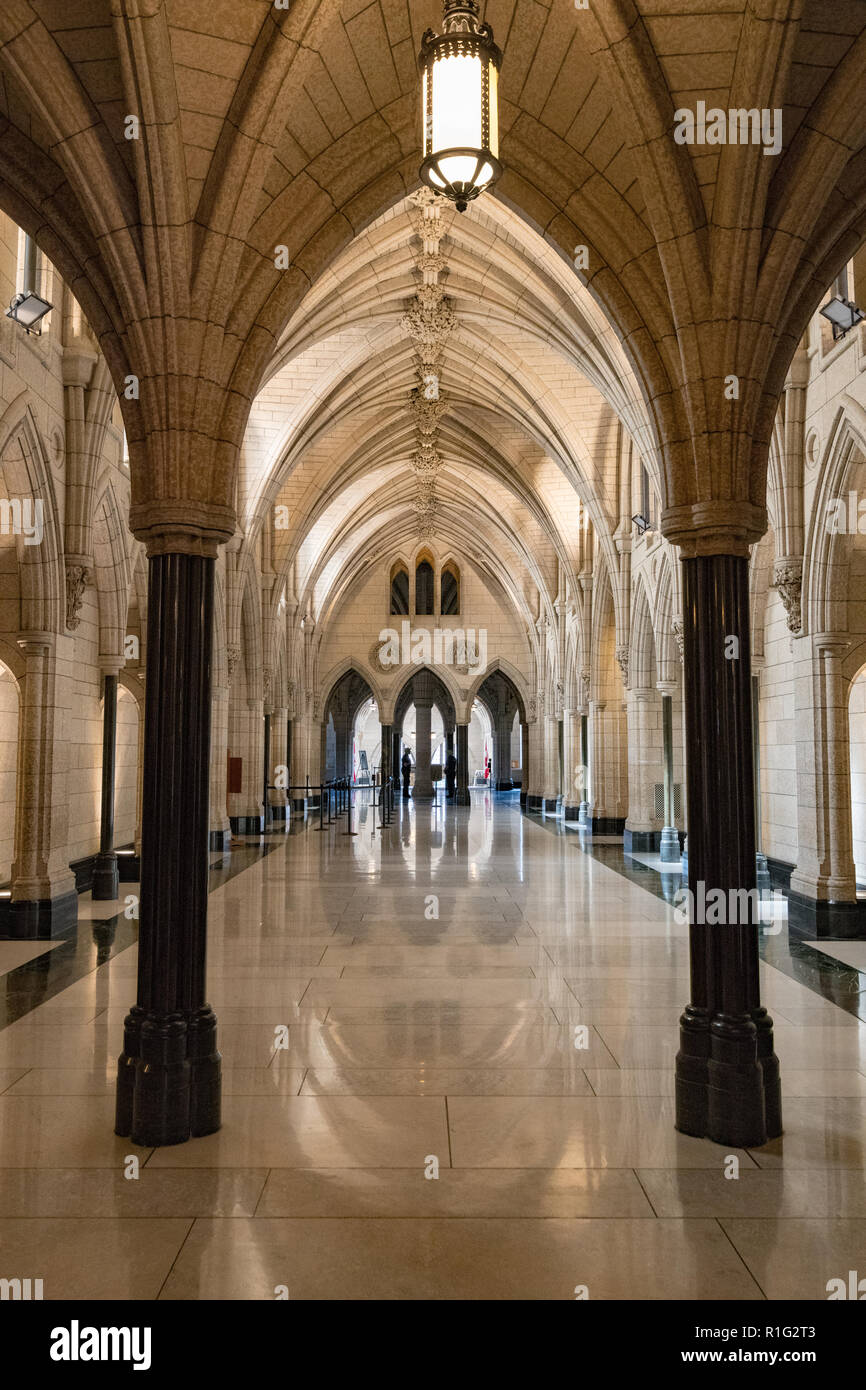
[
  {"x": 218, "y": 841},
  {"x": 38, "y": 921},
  {"x": 522, "y": 799},
  {"x": 504, "y": 786},
  {"x": 278, "y": 813},
  {"x": 570, "y": 812},
  {"x": 534, "y": 803},
  {"x": 83, "y": 871},
  {"x": 246, "y": 825},
  {"x": 780, "y": 873},
  {"x": 819, "y": 920},
  {"x": 549, "y": 805},
  {"x": 641, "y": 841},
  {"x": 608, "y": 825}
]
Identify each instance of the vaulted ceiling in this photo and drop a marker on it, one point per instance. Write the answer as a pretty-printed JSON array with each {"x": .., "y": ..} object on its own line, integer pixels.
[{"x": 260, "y": 127}]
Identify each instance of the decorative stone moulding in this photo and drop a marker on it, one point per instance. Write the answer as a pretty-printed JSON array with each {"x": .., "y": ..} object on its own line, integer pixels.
[
  {"x": 622, "y": 658},
  {"x": 430, "y": 318},
  {"x": 427, "y": 413},
  {"x": 677, "y": 630},
  {"x": 77, "y": 579},
  {"x": 788, "y": 579},
  {"x": 233, "y": 656}
]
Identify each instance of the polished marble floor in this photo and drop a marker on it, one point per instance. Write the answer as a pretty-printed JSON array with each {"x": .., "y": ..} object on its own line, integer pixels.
[{"x": 448, "y": 1050}]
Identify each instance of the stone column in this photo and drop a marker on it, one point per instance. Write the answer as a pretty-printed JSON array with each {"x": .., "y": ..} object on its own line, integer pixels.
[
  {"x": 462, "y": 798},
  {"x": 550, "y": 795},
  {"x": 535, "y": 781},
  {"x": 423, "y": 700},
  {"x": 219, "y": 826},
  {"x": 502, "y": 751},
  {"x": 762, "y": 868},
  {"x": 279, "y": 759},
  {"x": 44, "y": 902},
  {"x": 574, "y": 773},
  {"x": 584, "y": 817},
  {"x": 727, "y": 1074},
  {"x": 106, "y": 877},
  {"x": 640, "y": 832},
  {"x": 823, "y": 894},
  {"x": 168, "y": 1084},
  {"x": 524, "y": 763},
  {"x": 669, "y": 845}
]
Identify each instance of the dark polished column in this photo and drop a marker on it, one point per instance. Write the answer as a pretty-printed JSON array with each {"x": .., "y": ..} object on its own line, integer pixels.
[
  {"x": 105, "y": 872},
  {"x": 387, "y": 738},
  {"x": 462, "y": 798},
  {"x": 266, "y": 796},
  {"x": 727, "y": 1076},
  {"x": 168, "y": 1086}
]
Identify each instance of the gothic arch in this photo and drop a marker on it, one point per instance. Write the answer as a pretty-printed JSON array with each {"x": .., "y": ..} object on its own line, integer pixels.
[{"x": 27, "y": 474}]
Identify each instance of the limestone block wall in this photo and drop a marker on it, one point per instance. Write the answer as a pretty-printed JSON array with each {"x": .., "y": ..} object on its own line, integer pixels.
[
  {"x": 352, "y": 633},
  {"x": 126, "y": 778},
  {"x": 778, "y": 738},
  {"x": 8, "y": 768}
]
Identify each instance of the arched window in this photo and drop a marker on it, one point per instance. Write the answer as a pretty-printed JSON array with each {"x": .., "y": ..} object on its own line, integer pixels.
[
  {"x": 424, "y": 589},
  {"x": 400, "y": 589},
  {"x": 450, "y": 590}
]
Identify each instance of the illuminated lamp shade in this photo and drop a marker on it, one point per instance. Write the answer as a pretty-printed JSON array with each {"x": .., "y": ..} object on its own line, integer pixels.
[{"x": 459, "y": 105}]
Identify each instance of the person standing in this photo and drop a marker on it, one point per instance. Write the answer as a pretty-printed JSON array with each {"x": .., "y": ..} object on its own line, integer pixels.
[{"x": 406, "y": 769}]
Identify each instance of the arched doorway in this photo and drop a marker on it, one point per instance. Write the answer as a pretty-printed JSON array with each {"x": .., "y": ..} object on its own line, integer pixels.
[
  {"x": 424, "y": 705},
  {"x": 347, "y": 697}
]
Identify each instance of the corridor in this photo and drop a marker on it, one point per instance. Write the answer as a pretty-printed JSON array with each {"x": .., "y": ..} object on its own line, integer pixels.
[{"x": 448, "y": 1050}]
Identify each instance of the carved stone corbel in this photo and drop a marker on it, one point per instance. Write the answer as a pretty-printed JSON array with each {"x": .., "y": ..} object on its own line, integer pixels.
[{"x": 788, "y": 579}]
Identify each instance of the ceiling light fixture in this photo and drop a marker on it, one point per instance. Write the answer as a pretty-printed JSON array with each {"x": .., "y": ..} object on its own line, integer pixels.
[{"x": 459, "y": 105}]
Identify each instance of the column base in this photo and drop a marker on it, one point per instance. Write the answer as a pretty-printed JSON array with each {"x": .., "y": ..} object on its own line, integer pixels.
[
  {"x": 549, "y": 805},
  {"x": 218, "y": 841},
  {"x": 669, "y": 846},
  {"x": 462, "y": 797},
  {"x": 522, "y": 799},
  {"x": 106, "y": 878},
  {"x": 41, "y": 920},
  {"x": 505, "y": 786},
  {"x": 278, "y": 814},
  {"x": 727, "y": 1079},
  {"x": 534, "y": 803},
  {"x": 570, "y": 812},
  {"x": 298, "y": 805},
  {"x": 168, "y": 1078}
]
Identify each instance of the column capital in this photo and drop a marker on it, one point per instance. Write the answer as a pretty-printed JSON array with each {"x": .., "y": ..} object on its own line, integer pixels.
[
  {"x": 36, "y": 643},
  {"x": 182, "y": 527},
  {"x": 669, "y": 688},
  {"x": 831, "y": 643},
  {"x": 714, "y": 527}
]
